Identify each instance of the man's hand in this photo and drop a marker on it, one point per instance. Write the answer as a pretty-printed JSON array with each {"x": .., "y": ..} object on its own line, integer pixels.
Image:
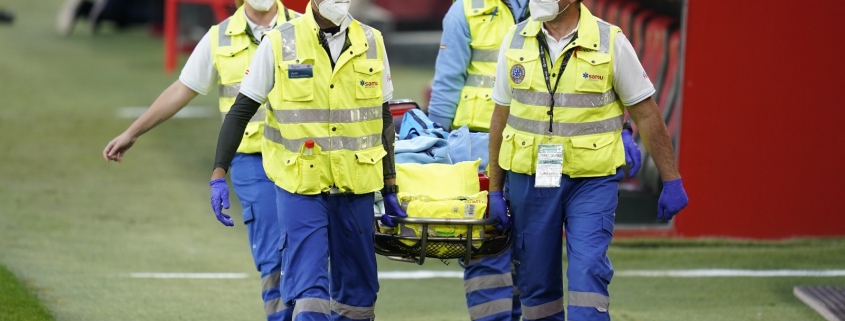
[
  {"x": 672, "y": 200},
  {"x": 118, "y": 146},
  {"x": 391, "y": 208},
  {"x": 632, "y": 153},
  {"x": 220, "y": 201},
  {"x": 499, "y": 208}
]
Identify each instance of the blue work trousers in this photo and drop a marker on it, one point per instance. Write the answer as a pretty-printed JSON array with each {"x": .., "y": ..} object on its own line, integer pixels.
[
  {"x": 257, "y": 195},
  {"x": 328, "y": 255},
  {"x": 585, "y": 208},
  {"x": 490, "y": 291}
]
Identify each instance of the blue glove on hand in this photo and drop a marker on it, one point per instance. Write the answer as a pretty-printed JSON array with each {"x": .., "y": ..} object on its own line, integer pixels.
[
  {"x": 632, "y": 153},
  {"x": 220, "y": 200},
  {"x": 391, "y": 208},
  {"x": 499, "y": 208},
  {"x": 672, "y": 200}
]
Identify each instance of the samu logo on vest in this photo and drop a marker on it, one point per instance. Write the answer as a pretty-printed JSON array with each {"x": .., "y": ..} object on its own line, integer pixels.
[
  {"x": 369, "y": 84},
  {"x": 517, "y": 73},
  {"x": 592, "y": 77}
]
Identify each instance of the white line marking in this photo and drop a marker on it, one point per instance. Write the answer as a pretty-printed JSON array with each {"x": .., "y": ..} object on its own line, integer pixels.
[
  {"x": 189, "y": 275},
  {"x": 423, "y": 274},
  {"x": 405, "y": 275},
  {"x": 133, "y": 112},
  {"x": 704, "y": 273}
]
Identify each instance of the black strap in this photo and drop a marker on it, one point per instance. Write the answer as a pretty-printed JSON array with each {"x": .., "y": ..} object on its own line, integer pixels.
[
  {"x": 541, "y": 37},
  {"x": 287, "y": 14}
]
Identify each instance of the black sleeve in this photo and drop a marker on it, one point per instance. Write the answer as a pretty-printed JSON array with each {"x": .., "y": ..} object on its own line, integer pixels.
[
  {"x": 388, "y": 135},
  {"x": 233, "y": 129}
]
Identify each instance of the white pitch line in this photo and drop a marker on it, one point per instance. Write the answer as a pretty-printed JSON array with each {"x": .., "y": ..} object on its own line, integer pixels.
[
  {"x": 133, "y": 112},
  {"x": 424, "y": 274},
  {"x": 188, "y": 275},
  {"x": 709, "y": 273}
]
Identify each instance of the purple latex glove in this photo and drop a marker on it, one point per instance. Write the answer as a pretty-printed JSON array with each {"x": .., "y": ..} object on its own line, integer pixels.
[
  {"x": 391, "y": 208},
  {"x": 499, "y": 208},
  {"x": 672, "y": 200},
  {"x": 220, "y": 201},
  {"x": 632, "y": 153}
]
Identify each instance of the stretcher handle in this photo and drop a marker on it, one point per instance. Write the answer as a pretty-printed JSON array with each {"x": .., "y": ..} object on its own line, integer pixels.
[{"x": 443, "y": 221}]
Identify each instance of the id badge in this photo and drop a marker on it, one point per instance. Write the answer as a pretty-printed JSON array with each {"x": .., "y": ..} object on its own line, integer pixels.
[
  {"x": 549, "y": 166},
  {"x": 300, "y": 71}
]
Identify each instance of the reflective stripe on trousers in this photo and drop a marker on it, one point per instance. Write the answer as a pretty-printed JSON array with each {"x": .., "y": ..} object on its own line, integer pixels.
[{"x": 489, "y": 288}]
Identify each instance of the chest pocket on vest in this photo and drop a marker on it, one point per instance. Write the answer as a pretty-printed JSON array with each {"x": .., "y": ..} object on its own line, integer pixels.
[
  {"x": 368, "y": 78},
  {"x": 232, "y": 63},
  {"x": 522, "y": 64},
  {"x": 296, "y": 89},
  {"x": 594, "y": 72},
  {"x": 480, "y": 22}
]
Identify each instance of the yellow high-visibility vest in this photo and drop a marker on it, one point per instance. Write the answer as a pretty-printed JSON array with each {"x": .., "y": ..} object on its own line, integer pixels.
[
  {"x": 339, "y": 109},
  {"x": 489, "y": 21},
  {"x": 587, "y": 113},
  {"x": 232, "y": 48}
]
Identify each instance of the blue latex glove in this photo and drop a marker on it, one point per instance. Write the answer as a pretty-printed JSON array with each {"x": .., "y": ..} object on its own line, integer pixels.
[
  {"x": 220, "y": 201},
  {"x": 672, "y": 200},
  {"x": 391, "y": 208},
  {"x": 632, "y": 153},
  {"x": 499, "y": 208}
]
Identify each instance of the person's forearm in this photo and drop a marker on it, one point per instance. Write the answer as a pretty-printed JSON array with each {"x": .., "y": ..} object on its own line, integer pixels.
[
  {"x": 232, "y": 131},
  {"x": 497, "y": 125},
  {"x": 656, "y": 138},
  {"x": 388, "y": 136},
  {"x": 173, "y": 99}
]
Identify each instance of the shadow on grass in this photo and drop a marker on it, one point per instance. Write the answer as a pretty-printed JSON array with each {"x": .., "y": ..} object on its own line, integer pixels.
[{"x": 17, "y": 302}]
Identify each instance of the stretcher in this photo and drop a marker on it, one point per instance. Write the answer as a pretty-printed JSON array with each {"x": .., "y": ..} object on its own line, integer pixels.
[{"x": 476, "y": 237}]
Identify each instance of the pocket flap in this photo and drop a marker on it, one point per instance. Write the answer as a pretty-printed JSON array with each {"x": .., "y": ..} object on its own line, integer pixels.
[
  {"x": 290, "y": 158},
  {"x": 370, "y": 156},
  {"x": 593, "y": 58},
  {"x": 522, "y": 55},
  {"x": 484, "y": 94},
  {"x": 592, "y": 142},
  {"x": 368, "y": 67},
  {"x": 482, "y": 11},
  {"x": 508, "y": 134},
  {"x": 285, "y": 64},
  {"x": 523, "y": 140},
  {"x": 230, "y": 51}
]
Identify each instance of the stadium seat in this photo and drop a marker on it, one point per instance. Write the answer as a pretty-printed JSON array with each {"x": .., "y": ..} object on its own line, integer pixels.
[
  {"x": 654, "y": 54},
  {"x": 611, "y": 11},
  {"x": 670, "y": 105},
  {"x": 626, "y": 16},
  {"x": 637, "y": 33},
  {"x": 597, "y": 7}
]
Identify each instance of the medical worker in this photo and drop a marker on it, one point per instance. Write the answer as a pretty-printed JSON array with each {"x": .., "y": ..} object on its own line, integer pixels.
[
  {"x": 220, "y": 60},
  {"x": 462, "y": 96},
  {"x": 328, "y": 146},
  {"x": 563, "y": 81}
]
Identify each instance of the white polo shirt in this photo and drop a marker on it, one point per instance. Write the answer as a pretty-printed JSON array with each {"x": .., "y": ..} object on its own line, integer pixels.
[
  {"x": 199, "y": 73},
  {"x": 630, "y": 80},
  {"x": 260, "y": 79}
]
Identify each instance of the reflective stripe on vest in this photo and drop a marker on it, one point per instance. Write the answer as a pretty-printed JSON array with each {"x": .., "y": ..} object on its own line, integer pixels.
[
  {"x": 529, "y": 97},
  {"x": 334, "y": 143},
  {"x": 314, "y": 305},
  {"x": 537, "y": 127},
  {"x": 324, "y": 115},
  {"x": 353, "y": 312},
  {"x": 229, "y": 91},
  {"x": 544, "y": 310},
  {"x": 485, "y": 55},
  {"x": 259, "y": 116},
  {"x": 479, "y": 81}
]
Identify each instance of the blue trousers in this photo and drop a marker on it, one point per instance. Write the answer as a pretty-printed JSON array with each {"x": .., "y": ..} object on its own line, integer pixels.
[
  {"x": 328, "y": 255},
  {"x": 257, "y": 195},
  {"x": 490, "y": 291},
  {"x": 585, "y": 208}
]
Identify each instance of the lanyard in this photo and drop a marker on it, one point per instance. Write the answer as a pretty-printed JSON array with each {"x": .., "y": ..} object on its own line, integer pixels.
[{"x": 543, "y": 47}]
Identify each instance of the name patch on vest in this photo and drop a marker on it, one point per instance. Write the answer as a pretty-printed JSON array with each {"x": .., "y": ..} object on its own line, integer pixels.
[
  {"x": 300, "y": 71},
  {"x": 592, "y": 77},
  {"x": 517, "y": 73}
]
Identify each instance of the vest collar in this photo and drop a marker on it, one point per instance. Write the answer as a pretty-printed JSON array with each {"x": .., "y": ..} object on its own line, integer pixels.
[
  {"x": 588, "y": 29},
  {"x": 238, "y": 23}
]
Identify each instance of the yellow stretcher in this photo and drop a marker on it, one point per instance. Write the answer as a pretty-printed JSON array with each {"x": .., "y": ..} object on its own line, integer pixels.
[{"x": 447, "y": 216}]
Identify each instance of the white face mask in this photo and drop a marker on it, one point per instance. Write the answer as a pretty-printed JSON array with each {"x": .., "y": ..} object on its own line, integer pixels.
[
  {"x": 261, "y": 5},
  {"x": 544, "y": 10},
  {"x": 334, "y": 10}
]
